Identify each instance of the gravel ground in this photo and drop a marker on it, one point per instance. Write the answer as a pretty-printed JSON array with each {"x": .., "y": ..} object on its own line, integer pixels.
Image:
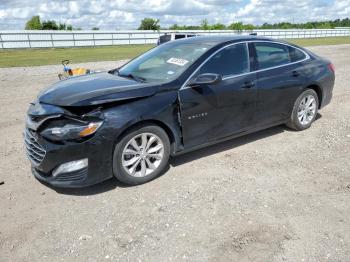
[{"x": 276, "y": 195}]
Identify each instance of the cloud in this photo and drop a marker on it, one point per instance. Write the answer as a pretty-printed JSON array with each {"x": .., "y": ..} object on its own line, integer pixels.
[{"x": 127, "y": 14}]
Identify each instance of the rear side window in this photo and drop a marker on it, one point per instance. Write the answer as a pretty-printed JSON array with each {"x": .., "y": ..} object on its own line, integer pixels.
[
  {"x": 296, "y": 54},
  {"x": 180, "y": 36},
  {"x": 271, "y": 55},
  {"x": 164, "y": 38},
  {"x": 233, "y": 60}
]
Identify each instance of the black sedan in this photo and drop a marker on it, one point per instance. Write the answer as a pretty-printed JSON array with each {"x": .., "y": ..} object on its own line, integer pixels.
[{"x": 175, "y": 98}]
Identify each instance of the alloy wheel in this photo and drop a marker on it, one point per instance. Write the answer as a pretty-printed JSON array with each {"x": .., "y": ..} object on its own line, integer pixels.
[
  {"x": 142, "y": 154},
  {"x": 307, "y": 110}
]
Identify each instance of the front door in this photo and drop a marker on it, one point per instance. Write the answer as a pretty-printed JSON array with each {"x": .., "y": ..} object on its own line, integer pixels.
[{"x": 212, "y": 112}]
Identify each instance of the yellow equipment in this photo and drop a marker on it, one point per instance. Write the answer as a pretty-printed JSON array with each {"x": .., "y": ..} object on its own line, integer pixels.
[{"x": 68, "y": 72}]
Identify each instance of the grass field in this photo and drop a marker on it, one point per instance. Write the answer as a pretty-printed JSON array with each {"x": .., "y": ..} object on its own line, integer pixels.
[
  {"x": 49, "y": 56},
  {"x": 321, "y": 41}
]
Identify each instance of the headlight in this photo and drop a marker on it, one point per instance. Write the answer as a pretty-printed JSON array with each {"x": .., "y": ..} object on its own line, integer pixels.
[{"x": 71, "y": 131}]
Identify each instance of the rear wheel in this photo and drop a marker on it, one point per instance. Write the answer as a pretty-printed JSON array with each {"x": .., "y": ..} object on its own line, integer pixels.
[
  {"x": 304, "y": 111},
  {"x": 141, "y": 155}
]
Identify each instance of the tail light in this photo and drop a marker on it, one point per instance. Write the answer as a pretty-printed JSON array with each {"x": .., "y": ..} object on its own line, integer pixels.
[{"x": 331, "y": 67}]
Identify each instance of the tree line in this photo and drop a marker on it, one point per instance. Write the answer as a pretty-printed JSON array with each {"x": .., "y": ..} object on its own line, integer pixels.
[
  {"x": 35, "y": 24},
  {"x": 154, "y": 24}
]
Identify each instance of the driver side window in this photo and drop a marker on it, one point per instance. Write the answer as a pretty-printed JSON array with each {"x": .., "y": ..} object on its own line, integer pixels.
[{"x": 233, "y": 60}]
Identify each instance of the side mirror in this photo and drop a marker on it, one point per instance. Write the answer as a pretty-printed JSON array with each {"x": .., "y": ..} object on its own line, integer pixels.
[{"x": 206, "y": 79}]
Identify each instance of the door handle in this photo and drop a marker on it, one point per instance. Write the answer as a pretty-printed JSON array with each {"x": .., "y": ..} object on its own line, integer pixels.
[
  {"x": 295, "y": 73},
  {"x": 248, "y": 84}
]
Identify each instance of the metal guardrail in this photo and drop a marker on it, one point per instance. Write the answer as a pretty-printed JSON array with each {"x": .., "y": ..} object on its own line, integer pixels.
[{"x": 52, "y": 39}]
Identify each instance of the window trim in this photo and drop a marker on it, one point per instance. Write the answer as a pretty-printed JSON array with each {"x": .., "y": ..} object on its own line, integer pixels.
[{"x": 307, "y": 57}]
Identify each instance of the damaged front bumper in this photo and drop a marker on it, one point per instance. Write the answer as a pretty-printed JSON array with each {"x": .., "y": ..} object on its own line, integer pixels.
[{"x": 66, "y": 163}]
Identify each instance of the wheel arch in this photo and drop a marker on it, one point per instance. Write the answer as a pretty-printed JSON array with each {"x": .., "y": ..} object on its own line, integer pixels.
[
  {"x": 173, "y": 137},
  {"x": 318, "y": 91}
]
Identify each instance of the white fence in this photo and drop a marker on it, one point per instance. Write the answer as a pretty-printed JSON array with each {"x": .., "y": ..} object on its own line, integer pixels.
[{"x": 40, "y": 39}]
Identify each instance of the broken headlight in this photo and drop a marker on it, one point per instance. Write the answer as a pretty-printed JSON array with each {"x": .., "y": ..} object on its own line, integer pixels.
[{"x": 71, "y": 131}]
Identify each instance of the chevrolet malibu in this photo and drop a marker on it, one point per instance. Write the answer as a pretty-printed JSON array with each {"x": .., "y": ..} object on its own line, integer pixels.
[{"x": 175, "y": 98}]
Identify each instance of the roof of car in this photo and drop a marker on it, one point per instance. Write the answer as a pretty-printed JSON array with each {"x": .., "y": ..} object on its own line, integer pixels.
[{"x": 222, "y": 39}]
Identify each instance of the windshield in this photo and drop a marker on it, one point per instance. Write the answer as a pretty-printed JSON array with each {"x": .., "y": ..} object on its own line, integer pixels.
[{"x": 165, "y": 62}]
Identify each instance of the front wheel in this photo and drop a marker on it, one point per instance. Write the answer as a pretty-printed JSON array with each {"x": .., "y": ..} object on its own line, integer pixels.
[
  {"x": 304, "y": 110},
  {"x": 141, "y": 155}
]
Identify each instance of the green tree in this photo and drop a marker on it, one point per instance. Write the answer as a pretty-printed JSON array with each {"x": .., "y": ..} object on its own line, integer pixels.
[
  {"x": 285, "y": 25},
  {"x": 95, "y": 28},
  {"x": 249, "y": 27},
  {"x": 62, "y": 26},
  {"x": 175, "y": 27},
  {"x": 265, "y": 26},
  {"x": 49, "y": 25},
  {"x": 205, "y": 24},
  {"x": 149, "y": 24},
  {"x": 236, "y": 26},
  {"x": 308, "y": 25},
  {"x": 325, "y": 25},
  {"x": 217, "y": 26},
  {"x": 282, "y": 25},
  {"x": 34, "y": 23}
]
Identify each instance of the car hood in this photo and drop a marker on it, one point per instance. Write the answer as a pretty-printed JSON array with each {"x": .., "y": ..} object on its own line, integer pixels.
[{"x": 95, "y": 89}]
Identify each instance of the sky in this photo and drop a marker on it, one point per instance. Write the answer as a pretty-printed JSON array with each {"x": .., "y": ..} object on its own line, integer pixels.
[{"x": 127, "y": 14}]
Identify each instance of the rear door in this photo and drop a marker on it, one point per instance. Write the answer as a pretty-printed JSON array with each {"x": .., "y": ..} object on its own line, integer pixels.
[
  {"x": 211, "y": 112},
  {"x": 279, "y": 80}
]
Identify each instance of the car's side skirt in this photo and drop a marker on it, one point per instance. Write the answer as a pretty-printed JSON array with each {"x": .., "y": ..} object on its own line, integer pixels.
[{"x": 186, "y": 150}]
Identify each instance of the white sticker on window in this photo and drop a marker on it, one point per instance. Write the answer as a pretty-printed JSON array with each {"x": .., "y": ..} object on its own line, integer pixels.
[
  {"x": 171, "y": 72},
  {"x": 177, "y": 61}
]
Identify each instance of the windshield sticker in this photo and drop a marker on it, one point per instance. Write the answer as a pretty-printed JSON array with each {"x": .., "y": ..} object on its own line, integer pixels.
[
  {"x": 177, "y": 61},
  {"x": 171, "y": 72}
]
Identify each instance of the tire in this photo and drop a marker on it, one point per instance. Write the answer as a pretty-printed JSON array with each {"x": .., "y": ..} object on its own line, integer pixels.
[
  {"x": 298, "y": 120},
  {"x": 148, "y": 167}
]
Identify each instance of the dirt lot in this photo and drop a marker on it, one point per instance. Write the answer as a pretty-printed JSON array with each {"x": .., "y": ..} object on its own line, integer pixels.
[{"x": 276, "y": 195}]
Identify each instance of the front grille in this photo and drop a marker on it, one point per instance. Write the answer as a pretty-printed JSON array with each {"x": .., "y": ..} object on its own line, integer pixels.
[{"x": 34, "y": 150}]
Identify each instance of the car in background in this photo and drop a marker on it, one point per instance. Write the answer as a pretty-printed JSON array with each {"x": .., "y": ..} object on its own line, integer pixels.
[
  {"x": 173, "y": 36},
  {"x": 175, "y": 98}
]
